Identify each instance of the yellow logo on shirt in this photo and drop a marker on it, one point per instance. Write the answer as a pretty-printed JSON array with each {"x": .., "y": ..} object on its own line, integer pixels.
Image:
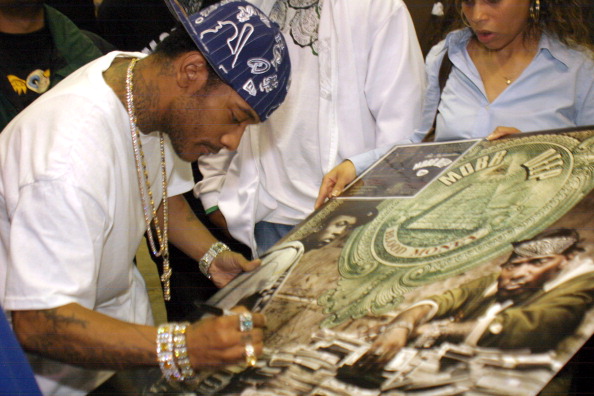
[{"x": 37, "y": 81}]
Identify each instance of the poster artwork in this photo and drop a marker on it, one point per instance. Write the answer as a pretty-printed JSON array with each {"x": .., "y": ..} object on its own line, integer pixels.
[{"x": 447, "y": 268}]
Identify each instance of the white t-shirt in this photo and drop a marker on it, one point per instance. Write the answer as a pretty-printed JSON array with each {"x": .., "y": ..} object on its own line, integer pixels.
[{"x": 71, "y": 217}]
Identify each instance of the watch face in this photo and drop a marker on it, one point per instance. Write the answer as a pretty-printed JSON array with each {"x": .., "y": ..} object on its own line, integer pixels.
[{"x": 494, "y": 194}]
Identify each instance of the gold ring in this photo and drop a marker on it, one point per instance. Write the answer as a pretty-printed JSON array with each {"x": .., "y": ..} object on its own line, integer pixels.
[
  {"x": 246, "y": 322},
  {"x": 250, "y": 355}
]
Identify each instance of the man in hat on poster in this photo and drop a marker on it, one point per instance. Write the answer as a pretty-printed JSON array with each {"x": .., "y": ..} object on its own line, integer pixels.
[
  {"x": 538, "y": 298},
  {"x": 94, "y": 163}
]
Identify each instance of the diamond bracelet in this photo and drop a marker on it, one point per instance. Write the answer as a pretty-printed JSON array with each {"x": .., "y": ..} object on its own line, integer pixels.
[{"x": 209, "y": 256}]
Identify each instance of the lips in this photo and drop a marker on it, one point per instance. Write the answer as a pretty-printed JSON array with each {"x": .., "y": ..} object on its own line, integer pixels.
[{"x": 484, "y": 36}]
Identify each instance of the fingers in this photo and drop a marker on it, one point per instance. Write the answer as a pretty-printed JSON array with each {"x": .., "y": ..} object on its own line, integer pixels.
[
  {"x": 376, "y": 355},
  {"x": 224, "y": 340},
  {"x": 250, "y": 326},
  {"x": 259, "y": 320},
  {"x": 384, "y": 348},
  {"x": 250, "y": 265},
  {"x": 343, "y": 174},
  {"x": 228, "y": 265},
  {"x": 502, "y": 131},
  {"x": 324, "y": 192},
  {"x": 335, "y": 181}
]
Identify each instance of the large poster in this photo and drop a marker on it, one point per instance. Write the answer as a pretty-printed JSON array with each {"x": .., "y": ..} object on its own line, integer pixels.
[{"x": 453, "y": 268}]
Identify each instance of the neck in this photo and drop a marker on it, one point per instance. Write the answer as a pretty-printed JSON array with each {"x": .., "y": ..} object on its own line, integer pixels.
[
  {"x": 521, "y": 46},
  {"x": 115, "y": 77},
  {"x": 21, "y": 19},
  {"x": 507, "y": 63}
]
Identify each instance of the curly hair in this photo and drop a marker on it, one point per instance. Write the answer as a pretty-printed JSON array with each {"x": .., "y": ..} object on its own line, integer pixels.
[{"x": 562, "y": 19}]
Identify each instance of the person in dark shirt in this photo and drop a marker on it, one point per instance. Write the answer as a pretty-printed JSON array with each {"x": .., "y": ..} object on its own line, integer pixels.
[{"x": 39, "y": 47}]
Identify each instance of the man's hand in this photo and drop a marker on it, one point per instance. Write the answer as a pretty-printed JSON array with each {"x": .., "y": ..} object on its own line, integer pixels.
[
  {"x": 502, "y": 131},
  {"x": 431, "y": 333},
  {"x": 391, "y": 338},
  {"x": 385, "y": 347},
  {"x": 217, "y": 341},
  {"x": 334, "y": 181},
  {"x": 227, "y": 265}
]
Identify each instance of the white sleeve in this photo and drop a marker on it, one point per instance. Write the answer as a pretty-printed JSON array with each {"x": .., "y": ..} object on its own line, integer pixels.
[
  {"x": 181, "y": 179},
  {"x": 213, "y": 169},
  {"x": 395, "y": 79},
  {"x": 432, "y": 96},
  {"x": 56, "y": 247}
]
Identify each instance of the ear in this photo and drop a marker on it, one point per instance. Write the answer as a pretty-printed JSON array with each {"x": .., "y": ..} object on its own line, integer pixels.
[{"x": 192, "y": 71}]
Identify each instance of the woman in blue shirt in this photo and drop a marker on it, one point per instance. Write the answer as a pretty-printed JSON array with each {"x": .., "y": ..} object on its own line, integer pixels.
[{"x": 517, "y": 66}]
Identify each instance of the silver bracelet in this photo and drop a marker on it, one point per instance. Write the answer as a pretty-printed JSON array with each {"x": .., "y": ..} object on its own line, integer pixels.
[
  {"x": 165, "y": 352},
  {"x": 209, "y": 256}
]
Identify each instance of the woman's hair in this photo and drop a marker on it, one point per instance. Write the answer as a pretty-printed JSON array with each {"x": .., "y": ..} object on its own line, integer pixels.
[{"x": 562, "y": 19}]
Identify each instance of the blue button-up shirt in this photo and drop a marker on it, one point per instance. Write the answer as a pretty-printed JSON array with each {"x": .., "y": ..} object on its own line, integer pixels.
[{"x": 556, "y": 90}]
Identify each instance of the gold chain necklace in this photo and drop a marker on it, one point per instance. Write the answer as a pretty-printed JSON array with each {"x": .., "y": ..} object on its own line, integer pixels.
[{"x": 144, "y": 184}]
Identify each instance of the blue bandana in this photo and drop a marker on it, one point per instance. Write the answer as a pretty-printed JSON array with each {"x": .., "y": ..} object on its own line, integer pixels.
[{"x": 243, "y": 46}]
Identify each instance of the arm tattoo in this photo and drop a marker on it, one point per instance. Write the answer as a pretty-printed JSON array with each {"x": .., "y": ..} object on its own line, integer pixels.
[
  {"x": 63, "y": 338},
  {"x": 57, "y": 321}
]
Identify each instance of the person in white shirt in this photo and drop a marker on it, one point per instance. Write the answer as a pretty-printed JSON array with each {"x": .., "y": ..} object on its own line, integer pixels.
[
  {"x": 357, "y": 84},
  {"x": 93, "y": 164}
]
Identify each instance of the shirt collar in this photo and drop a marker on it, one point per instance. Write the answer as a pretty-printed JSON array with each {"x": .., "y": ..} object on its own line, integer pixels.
[{"x": 556, "y": 49}]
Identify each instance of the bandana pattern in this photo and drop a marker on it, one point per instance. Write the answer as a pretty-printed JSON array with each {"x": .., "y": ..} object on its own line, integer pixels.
[{"x": 244, "y": 47}]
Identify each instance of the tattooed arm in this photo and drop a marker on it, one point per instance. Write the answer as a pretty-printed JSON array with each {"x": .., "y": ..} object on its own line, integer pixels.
[
  {"x": 193, "y": 238},
  {"x": 77, "y": 335},
  {"x": 82, "y": 337}
]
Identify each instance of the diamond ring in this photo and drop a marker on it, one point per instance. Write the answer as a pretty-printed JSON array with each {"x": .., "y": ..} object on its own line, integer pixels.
[
  {"x": 250, "y": 355},
  {"x": 246, "y": 322}
]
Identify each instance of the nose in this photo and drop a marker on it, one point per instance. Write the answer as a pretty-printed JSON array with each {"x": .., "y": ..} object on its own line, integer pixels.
[
  {"x": 476, "y": 12},
  {"x": 231, "y": 139}
]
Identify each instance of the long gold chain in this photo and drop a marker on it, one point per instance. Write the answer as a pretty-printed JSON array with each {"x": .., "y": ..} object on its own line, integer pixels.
[{"x": 144, "y": 184}]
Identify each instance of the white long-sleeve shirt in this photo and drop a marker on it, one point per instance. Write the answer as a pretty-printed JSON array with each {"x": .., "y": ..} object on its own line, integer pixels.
[{"x": 363, "y": 89}]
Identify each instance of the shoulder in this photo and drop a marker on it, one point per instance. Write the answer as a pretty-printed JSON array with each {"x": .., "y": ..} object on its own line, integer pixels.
[
  {"x": 436, "y": 53},
  {"x": 78, "y": 109},
  {"x": 454, "y": 43},
  {"x": 72, "y": 43}
]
